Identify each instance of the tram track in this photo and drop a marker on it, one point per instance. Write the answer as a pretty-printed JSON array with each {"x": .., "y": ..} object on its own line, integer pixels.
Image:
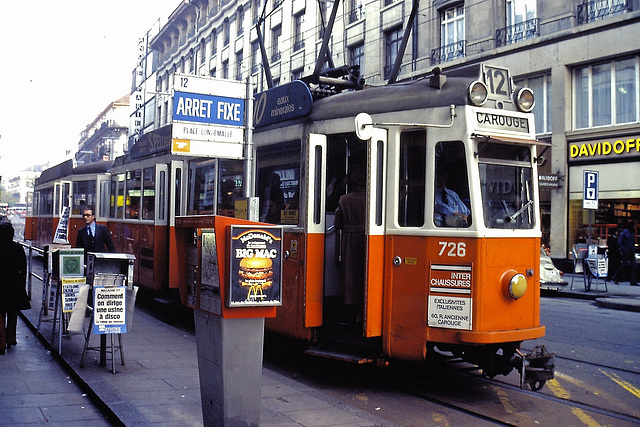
[{"x": 431, "y": 388}]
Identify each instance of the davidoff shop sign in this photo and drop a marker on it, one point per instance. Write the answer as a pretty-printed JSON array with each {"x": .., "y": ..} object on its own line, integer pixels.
[{"x": 610, "y": 148}]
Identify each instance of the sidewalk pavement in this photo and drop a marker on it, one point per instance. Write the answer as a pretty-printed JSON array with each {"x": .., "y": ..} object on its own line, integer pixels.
[
  {"x": 622, "y": 296},
  {"x": 158, "y": 385}
]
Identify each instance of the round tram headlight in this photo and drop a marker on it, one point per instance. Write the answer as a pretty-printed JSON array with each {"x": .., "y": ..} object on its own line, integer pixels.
[
  {"x": 517, "y": 286},
  {"x": 525, "y": 99},
  {"x": 478, "y": 93}
]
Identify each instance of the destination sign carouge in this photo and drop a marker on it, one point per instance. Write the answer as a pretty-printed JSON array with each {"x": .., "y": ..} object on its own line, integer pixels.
[{"x": 200, "y": 108}]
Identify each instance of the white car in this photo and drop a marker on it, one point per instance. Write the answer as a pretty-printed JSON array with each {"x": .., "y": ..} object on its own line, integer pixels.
[{"x": 550, "y": 277}]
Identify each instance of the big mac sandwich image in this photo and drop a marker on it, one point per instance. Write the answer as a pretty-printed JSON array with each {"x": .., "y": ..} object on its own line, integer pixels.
[{"x": 256, "y": 273}]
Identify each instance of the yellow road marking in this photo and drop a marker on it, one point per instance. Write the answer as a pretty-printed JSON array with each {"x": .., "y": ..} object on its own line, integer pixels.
[
  {"x": 561, "y": 393},
  {"x": 622, "y": 383},
  {"x": 440, "y": 420}
]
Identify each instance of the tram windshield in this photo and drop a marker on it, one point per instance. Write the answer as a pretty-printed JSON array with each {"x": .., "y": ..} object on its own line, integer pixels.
[{"x": 506, "y": 184}]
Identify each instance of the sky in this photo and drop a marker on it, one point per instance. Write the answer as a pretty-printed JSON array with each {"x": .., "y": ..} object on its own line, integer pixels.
[{"x": 63, "y": 63}]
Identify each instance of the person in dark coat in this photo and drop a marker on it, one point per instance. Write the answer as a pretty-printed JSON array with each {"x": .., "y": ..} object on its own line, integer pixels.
[
  {"x": 350, "y": 218},
  {"x": 93, "y": 237},
  {"x": 627, "y": 244},
  {"x": 13, "y": 296},
  {"x": 613, "y": 256}
]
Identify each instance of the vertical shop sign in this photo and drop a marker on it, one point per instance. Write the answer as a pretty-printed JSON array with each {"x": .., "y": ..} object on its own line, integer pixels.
[{"x": 590, "y": 190}]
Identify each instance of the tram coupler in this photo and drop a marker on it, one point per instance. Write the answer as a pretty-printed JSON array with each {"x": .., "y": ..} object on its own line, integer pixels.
[{"x": 536, "y": 367}]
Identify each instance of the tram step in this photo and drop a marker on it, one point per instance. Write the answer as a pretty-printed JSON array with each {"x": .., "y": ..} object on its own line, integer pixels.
[{"x": 344, "y": 355}]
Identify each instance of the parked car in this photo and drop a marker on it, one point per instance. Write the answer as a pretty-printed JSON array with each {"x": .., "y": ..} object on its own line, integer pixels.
[{"x": 550, "y": 277}]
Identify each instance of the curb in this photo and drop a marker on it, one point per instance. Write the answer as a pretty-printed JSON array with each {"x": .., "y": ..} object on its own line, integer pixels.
[{"x": 616, "y": 304}]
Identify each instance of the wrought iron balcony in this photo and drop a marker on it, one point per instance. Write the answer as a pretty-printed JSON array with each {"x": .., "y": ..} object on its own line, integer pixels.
[
  {"x": 298, "y": 45},
  {"x": 518, "y": 32},
  {"x": 448, "y": 52},
  {"x": 276, "y": 56},
  {"x": 601, "y": 9}
]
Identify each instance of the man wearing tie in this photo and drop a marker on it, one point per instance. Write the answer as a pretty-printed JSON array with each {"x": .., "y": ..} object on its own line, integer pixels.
[{"x": 94, "y": 237}]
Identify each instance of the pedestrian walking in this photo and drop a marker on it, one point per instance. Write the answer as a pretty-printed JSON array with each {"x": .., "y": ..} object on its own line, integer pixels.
[
  {"x": 13, "y": 296},
  {"x": 613, "y": 255},
  {"x": 627, "y": 245}
]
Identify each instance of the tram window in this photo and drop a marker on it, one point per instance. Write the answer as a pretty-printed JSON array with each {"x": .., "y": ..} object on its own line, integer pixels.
[
  {"x": 84, "y": 193},
  {"x": 202, "y": 193},
  {"x": 162, "y": 200},
  {"x": 451, "y": 186},
  {"x": 412, "y": 178},
  {"x": 103, "y": 206},
  {"x": 117, "y": 196},
  {"x": 506, "y": 186},
  {"x": 230, "y": 186},
  {"x": 133, "y": 189},
  {"x": 278, "y": 181},
  {"x": 149, "y": 193},
  {"x": 46, "y": 202}
]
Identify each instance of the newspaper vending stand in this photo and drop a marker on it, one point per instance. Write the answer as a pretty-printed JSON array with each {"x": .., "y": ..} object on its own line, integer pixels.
[
  {"x": 110, "y": 276},
  {"x": 230, "y": 305}
]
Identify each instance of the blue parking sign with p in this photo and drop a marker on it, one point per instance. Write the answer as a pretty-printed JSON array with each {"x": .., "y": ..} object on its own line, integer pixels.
[{"x": 590, "y": 190}]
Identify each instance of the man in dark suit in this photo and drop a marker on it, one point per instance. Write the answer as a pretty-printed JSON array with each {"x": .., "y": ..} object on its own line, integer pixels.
[{"x": 94, "y": 237}]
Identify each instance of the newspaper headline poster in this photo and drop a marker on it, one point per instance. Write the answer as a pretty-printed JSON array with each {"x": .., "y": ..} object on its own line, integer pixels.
[
  {"x": 109, "y": 305},
  {"x": 70, "y": 291}
]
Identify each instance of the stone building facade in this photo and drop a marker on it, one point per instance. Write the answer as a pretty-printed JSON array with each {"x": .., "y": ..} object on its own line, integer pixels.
[{"x": 582, "y": 58}]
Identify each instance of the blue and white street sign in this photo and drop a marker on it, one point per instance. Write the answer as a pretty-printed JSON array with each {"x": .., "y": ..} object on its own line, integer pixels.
[
  {"x": 590, "y": 190},
  {"x": 209, "y": 109}
]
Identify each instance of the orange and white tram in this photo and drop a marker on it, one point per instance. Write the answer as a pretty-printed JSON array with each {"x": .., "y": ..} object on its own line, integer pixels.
[
  {"x": 463, "y": 280},
  {"x": 63, "y": 186}
]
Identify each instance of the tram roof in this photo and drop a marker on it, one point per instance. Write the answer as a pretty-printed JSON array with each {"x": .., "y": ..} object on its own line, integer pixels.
[
  {"x": 66, "y": 169},
  {"x": 396, "y": 97}
]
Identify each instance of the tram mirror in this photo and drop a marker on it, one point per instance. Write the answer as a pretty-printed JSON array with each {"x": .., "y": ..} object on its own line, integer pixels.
[{"x": 364, "y": 126}]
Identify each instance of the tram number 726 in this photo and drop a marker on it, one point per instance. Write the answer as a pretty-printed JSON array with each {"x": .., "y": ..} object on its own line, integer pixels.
[{"x": 453, "y": 249}]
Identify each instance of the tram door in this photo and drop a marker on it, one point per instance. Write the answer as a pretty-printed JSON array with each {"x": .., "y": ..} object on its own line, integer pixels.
[{"x": 353, "y": 231}]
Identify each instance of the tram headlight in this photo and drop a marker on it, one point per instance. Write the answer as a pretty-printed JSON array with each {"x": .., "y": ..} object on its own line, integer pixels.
[
  {"x": 478, "y": 93},
  {"x": 517, "y": 286},
  {"x": 525, "y": 99}
]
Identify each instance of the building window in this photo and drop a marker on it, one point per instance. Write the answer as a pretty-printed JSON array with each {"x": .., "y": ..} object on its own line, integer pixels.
[
  {"x": 240, "y": 20},
  {"x": 452, "y": 42},
  {"x": 356, "y": 57},
  {"x": 606, "y": 94},
  {"x": 601, "y": 9},
  {"x": 225, "y": 69},
  {"x": 541, "y": 87},
  {"x": 256, "y": 11},
  {"x": 298, "y": 36},
  {"x": 255, "y": 57},
  {"x": 214, "y": 43},
  {"x": 202, "y": 53},
  {"x": 393, "y": 39},
  {"x": 325, "y": 13},
  {"x": 239, "y": 65},
  {"x": 226, "y": 32},
  {"x": 275, "y": 46},
  {"x": 296, "y": 74},
  {"x": 356, "y": 12},
  {"x": 522, "y": 23}
]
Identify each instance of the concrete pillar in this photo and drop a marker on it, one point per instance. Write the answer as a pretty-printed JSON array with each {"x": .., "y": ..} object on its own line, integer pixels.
[{"x": 230, "y": 367}]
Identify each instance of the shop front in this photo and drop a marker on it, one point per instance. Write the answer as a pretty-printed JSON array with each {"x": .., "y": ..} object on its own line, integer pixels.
[{"x": 616, "y": 160}]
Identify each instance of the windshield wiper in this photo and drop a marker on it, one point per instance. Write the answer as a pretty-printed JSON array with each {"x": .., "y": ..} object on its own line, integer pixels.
[{"x": 517, "y": 214}]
